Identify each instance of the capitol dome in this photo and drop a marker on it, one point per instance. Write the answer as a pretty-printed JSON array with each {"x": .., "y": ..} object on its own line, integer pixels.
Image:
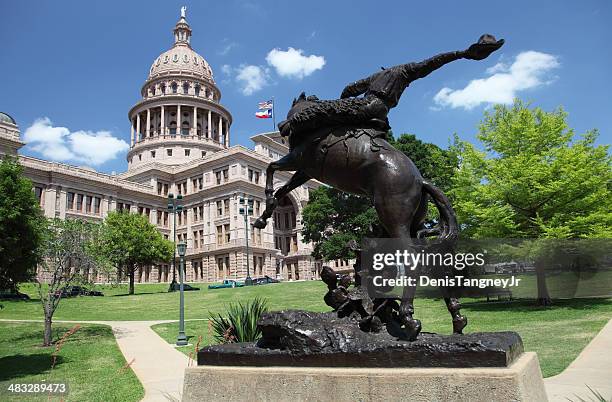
[
  {"x": 181, "y": 59},
  {"x": 180, "y": 117},
  {"x": 5, "y": 118}
]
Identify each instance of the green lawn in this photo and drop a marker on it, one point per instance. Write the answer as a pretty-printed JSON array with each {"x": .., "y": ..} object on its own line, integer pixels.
[
  {"x": 557, "y": 333},
  {"x": 153, "y": 302},
  {"x": 89, "y": 362}
]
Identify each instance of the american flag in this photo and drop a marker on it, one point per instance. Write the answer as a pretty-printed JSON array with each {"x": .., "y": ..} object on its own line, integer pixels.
[{"x": 266, "y": 105}]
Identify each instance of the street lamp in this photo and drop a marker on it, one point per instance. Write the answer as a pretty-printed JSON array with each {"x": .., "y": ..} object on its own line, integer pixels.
[
  {"x": 246, "y": 209},
  {"x": 174, "y": 206},
  {"x": 181, "y": 340}
]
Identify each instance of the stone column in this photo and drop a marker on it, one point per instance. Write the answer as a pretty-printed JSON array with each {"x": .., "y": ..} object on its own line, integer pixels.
[
  {"x": 227, "y": 142},
  {"x": 195, "y": 120},
  {"x": 148, "y": 128},
  {"x": 131, "y": 132},
  {"x": 179, "y": 119},
  {"x": 219, "y": 132},
  {"x": 137, "y": 127},
  {"x": 209, "y": 127},
  {"x": 163, "y": 121}
]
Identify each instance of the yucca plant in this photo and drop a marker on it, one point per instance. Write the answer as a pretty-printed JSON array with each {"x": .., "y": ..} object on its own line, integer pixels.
[{"x": 240, "y": 323}]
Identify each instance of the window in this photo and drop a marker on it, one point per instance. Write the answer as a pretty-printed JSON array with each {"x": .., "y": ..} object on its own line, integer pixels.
[
  {"x": 201, "y": 212},
  {"x": 226, "y": 228},
  {"x": 186, "y": 88},
  {"x": 218, "y": 176},
  {"x": 226, "y": 205},
  {"x": 219, "y": 235},
  {"x": 293, "y": 222},
  {"x": 79, "y": 205},
  {"x": 169, "y": 152},
  {"x": 165, "y": 188},
  {"x": 197, "y": 90},
  {"x": 159, "y": 188},
  {"x": 97, "y": 202},
  {"x": 219, "y": 208},
  {"x": 70, "y": 201},
  {"x": 38, "y": 193},
  {"x": 159, "y": 217},
  {"x": 195, "y": 240},
  {"x": 203, "y": 154},
  {"x": 185, "y": 187},
  {"x": 152, "y": 154},
  {"x": 254, "y": 176},
  {"x": 174, "y": 87},
  {"x": 139, "y": 157},
  {"x": 187, "y": 152}
]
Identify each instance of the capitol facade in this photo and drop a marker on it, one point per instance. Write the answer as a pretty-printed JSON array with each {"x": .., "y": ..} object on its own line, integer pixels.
[{"x": 180, "y": 145}]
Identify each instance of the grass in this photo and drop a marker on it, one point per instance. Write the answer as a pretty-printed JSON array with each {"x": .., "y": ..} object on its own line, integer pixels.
[
  {"x": 153, "y": 302},
  {"x": 89, "y": 362},
  {"x": 557, "y": 333}
]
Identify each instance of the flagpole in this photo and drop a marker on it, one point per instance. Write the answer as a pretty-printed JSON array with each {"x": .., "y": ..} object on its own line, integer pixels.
[{"x": 273, "y": 116}]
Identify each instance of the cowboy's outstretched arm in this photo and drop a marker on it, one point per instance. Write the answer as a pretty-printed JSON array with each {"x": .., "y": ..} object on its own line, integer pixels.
[
  {"x": 356, "y": 88},
  {"x": 422, "y": 69}
]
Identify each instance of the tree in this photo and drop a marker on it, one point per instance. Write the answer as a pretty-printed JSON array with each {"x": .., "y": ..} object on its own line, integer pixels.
[
  {"x": 129, "y": 241},
  {"x": 21, "y": 223},
  {"x": 534, "y": 179},
  {"x": 68, "y": 254},
  {"x": 332, "y": 218}
]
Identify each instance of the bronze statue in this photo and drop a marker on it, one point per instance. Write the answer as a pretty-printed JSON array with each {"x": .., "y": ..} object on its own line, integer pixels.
[{"x": 341, "y": 143}]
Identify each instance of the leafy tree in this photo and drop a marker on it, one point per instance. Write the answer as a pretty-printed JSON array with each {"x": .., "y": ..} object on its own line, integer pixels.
[
  {"x": 332, "y": 218},
  {"x": 68, "y": 254},
  {"x": 534, "y": 179},
  {"x": 434, "y": 163},
  {"x": 21, "y": 223},
  {"x": 129, "y": 241}
]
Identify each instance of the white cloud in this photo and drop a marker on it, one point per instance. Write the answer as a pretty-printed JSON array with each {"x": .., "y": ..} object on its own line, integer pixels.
[
  {"x": 251, "y": 78},
  {"x": 60, "y": 144},
  {"x": 226, "y": 69},
  {"x": 529, "y": 70},
  {"x": 292, "y": 63}
]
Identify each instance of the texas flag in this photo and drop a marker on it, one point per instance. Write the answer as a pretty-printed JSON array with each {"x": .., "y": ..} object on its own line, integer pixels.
[{"x": 264, "y": 114}]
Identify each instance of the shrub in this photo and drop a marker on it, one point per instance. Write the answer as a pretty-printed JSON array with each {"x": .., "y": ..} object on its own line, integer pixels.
[{"x": 240, "y": 324}]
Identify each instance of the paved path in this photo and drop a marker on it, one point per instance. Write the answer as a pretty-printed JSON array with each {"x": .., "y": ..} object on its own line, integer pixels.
[
  {"x": 592, "y": 367},
  {"x": 158, "y": 366}
]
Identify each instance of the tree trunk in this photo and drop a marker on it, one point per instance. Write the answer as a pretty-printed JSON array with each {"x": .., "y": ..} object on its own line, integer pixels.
[
  {"x": 132, "y": 274},
  {"x": 543, "y": 295},
  {"x": 48, "y": 335}
]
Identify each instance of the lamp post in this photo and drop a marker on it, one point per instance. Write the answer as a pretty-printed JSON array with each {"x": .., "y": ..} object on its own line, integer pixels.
[
  {"x": 181, "y": 340},
  {"x": 174, "y": 206},
  {"x": 246, "y": 209}
]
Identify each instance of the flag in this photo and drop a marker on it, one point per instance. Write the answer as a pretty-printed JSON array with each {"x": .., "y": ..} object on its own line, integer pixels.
[
  {"x": 264, "y": 114},
  {"x": 266, "y": 105}
]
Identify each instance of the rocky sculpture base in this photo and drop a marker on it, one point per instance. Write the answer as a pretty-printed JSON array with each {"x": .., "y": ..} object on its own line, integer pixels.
[{"x": 306, "y": 339}]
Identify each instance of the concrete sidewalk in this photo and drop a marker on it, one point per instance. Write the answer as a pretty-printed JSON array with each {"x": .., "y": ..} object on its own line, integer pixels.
[
  {"x": 157, "y": 364},
  {"x": 592, "y": 367}
]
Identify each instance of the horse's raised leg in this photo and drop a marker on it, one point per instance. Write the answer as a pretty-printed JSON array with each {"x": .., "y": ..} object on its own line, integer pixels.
[
  {"x": 272, "y": 198},
  {"x": 396, "y": 210},
  {"x": 459, "y": 321}
]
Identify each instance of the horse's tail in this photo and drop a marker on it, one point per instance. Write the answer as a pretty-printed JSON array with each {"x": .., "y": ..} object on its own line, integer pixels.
[{"x": 449, "y": 229}]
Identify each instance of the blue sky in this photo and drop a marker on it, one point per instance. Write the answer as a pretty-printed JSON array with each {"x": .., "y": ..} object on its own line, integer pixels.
[{"x": 81, "y": 65}]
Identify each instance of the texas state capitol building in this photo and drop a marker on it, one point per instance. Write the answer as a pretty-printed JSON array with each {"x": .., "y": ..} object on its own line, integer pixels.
[{"x": 180, "y": 144}]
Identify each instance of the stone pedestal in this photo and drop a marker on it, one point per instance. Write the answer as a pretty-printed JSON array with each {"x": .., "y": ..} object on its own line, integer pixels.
[{"x": 520, "y": 381}]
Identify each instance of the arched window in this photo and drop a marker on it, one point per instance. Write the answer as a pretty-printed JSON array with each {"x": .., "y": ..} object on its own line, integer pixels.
[
  {"x": 163, "y": 89},
  {"x": 172, "y": 127},
  {"x": 174, "y": 87},
  {"x": 186, "y": 88},
  {"x": 197, "y": 90}
]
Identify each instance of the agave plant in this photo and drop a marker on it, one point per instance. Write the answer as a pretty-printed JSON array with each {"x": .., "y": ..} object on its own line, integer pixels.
[{"x": 240, "y": 323}]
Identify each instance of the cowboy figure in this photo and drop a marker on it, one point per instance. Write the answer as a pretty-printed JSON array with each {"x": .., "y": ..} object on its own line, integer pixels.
[{"x": 381, "y": 92}]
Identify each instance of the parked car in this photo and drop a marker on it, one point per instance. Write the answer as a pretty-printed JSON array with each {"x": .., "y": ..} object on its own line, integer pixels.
[
  {"x": 73, "y": 291},
  {"x": 175, "y": 286},
  {"x": 227, "y": 283},
  {"x": 264, "y": 281},
  {"x": 13, "y": 296}
]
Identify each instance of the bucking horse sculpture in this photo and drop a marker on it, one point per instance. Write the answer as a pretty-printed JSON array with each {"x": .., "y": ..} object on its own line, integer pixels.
[{"x": 342, "y": 143}]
